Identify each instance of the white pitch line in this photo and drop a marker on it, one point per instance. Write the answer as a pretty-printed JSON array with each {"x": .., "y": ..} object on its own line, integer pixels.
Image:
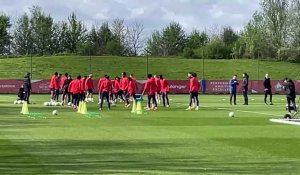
[
  {"x": 291, "y": 122},
  {"x": 238, "y": 110},
  {"x": 253, "y": 112}
]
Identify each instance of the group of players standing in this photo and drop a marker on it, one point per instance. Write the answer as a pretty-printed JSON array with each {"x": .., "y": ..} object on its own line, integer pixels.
[
  {"x": 288, "y": 86},
  {"x": 124, "y": 89}
]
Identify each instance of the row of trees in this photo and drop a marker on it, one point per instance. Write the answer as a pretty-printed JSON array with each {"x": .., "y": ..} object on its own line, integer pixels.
[
  {"x": 37, "y": 33},
  {"x": 273, "y": 32}
]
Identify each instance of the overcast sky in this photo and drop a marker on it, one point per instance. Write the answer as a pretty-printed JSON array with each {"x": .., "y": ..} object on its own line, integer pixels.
[{"x": 155, "y": 14}]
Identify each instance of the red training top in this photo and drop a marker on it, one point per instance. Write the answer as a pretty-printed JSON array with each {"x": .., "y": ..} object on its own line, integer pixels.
[
  {"x": 54, "y": 82},
  {"x": 150, "y": 86},
  {"x": 116, "y": 84},
  {"x": 124, "y": 84},
  {"x": 62, "y": 81},
  {"x": 132, "y": 88},
  {"x": 76, "y": 88},
  {"x": 164, "y": 85},
  {"x": 89, "y": 84},
  {"x": 83, "y": 87},
  {"x": 71, "y": 88},
  {"x": 105, "y": 85},
  {"x": 194, "y": 85},
  {"x": 100, "y": 82},
  {"x": 157, "y": 81}
]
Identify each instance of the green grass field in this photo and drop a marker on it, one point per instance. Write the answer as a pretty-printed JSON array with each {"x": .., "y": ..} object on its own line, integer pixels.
[
  {"x": 172, "y": 68},
  {"x": 168, "y": 141}
]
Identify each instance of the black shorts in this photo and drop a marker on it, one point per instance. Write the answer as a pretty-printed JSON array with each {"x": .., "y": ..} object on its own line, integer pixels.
[
  {"x": 90, "y": 91},
  {"x": 52, "y": 89}
]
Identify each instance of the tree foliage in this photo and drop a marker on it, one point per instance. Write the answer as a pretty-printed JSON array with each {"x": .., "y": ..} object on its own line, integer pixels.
[
  {"x": 4, "y": 34},
  {"x": 273, "y": 32}
]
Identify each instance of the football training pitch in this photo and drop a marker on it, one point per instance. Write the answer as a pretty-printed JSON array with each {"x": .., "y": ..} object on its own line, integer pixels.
[{"x": 167, "y": 141}]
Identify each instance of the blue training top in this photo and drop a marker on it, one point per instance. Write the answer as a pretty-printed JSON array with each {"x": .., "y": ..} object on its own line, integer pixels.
[{"x": 232, "y": 85}]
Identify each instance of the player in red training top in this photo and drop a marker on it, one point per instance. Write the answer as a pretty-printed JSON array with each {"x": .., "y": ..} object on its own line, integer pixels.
[
  {"x": 89, "y": 85},
  {"x": 99, "y": 84},
  {"x": 132, "y": 88},
  {"x": 157, "y": 81},
  {"x": 105, "y": 90},
  {"x": 76, "y": 89},
  {"x": 54, "y": 86},
  {"x": 151, "y": 88},
  {"x": 165, "y": 88},
  {"x": 124, "y": 87},
  {"x": 194, "y": 91}
]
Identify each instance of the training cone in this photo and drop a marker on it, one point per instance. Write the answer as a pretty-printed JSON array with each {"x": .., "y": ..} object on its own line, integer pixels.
[
  {"x": 133, "y": 107},
  {"x": 84, "y": 108},
  {"x": 25, "y": 108},
  {"x": 139, "y": 109},
  {"x": 79, "y": 107}
]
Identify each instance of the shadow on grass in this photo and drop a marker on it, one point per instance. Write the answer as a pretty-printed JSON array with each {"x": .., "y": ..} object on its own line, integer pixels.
[{"x": 106, "y": 156}]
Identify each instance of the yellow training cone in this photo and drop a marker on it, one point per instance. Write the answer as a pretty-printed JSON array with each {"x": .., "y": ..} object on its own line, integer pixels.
[
  {"x": 133, "y": 107},
  {"x": 139, "y": 109},
  {"x": 79, "y": 107},
  {"x": 25, "y": 108},
  {"x": 84, "y": 108}
]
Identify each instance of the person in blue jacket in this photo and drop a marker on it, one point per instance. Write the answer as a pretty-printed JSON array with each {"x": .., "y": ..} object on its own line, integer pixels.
[{"x": 233, "y": 83}]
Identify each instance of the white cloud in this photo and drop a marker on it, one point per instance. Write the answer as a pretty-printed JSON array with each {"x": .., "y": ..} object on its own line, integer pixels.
[{"x": 155, "y": 14}]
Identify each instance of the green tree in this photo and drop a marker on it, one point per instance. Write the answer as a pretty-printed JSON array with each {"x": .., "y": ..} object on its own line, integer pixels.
[
  {"x": 294, "y": 16},
  {"x": 275, "y": 14},
  {"x": 22, "y": 36},
  {"x": 105, "y": 36},
  {"x": 155, "y": 43},
  {"x": 120, "y": 36},
  {"x": 174, "y": 39},
  {"x": 41, "y": 28},
  {"x": 4, "y": 34},
  {"x": 194, "y": 41},
  {"x": 76, "y": 33},
  {"x": 229, "y": 36},
  {"x": 216, "y": 49}
]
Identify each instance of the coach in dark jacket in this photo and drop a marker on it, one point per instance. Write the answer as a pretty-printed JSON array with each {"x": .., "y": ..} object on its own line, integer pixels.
[
  {"x": 245, "y": 87},
  {"x": 27, "y": 87},
  {"x": 268, "y": 88},
  {"x": 289, "y": 87}
]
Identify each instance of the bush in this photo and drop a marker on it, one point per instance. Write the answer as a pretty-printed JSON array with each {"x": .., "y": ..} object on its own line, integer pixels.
[{"x": 188, "y": 52}]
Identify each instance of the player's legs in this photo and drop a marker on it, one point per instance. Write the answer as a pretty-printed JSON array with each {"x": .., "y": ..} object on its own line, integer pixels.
[
  {"x": 245, "y": 94},
  {"x": 101, "y": 100},
  {"x": 126, "y": 96},
  {"x": 191, "y": 100},
  {"x": 149, "y": 101},
  {"x": 167, "y": 98},
  {"x": 234, "y": 97},
  {"x": 154, "y": 101},
  {"x": 266, "y": 95},
  {"x": 106, "y": 95},
  {"x": 56, "y": 94},
  {"x": 164, "y": 98},
  {"x": 270, "y": 93},
  {"x": 288, "y": 99},
  {"x": 196, "y": 98}
]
